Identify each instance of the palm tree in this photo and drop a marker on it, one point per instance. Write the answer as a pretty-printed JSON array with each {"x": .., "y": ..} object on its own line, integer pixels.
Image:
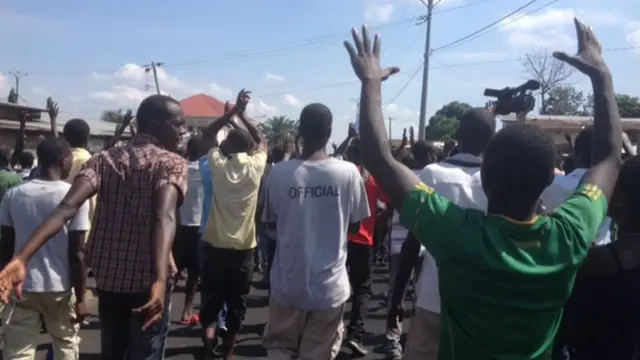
[
  {"x": 278, "y": 127},
  {"x": 13, "y": 96},
  {"x": 112, "y": 116}
]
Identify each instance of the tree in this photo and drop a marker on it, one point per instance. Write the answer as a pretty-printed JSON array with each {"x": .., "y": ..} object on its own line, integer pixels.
[
  {"x": 278, "y": 127},
  {"x": 567, "y": 100},
  {"x": 629, "y": 106},
  {"x": 445, "y": 122},
  {"x": 112, "y": 116},
  {"x": 13, "y": 96},
  {"x": 548, "y": 71}
]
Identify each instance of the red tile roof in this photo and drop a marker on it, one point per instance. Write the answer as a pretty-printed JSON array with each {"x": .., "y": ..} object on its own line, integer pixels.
[{"x": 202, "y": 105}]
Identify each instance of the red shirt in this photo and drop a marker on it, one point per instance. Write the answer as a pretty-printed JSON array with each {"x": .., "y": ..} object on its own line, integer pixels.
[{"x": 367, "y": 226}]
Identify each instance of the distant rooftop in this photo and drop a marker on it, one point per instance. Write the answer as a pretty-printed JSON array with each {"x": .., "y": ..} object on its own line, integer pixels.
[
  {"x": 553, "y": 122},
  {"x": 98, "y": 127}
]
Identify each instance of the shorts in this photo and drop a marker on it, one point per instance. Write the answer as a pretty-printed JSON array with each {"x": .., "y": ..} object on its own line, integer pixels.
[{"x": 185, "y": 249}]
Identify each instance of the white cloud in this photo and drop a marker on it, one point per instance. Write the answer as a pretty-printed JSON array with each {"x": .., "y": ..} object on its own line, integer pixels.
[
  {"x": 379, "y": 13},
  {"x": 270, "y": 77},
  {"x": 633, "y": 37},
  {"x": 293, "y": 101},
  {"x": 99, "y": 76},
  {"x": 552, "y": 28},
  {"x": 260, "y": 108},
  {"x": 219, "y": 91},
  {"x": 398, "y": 111},
  {"x": 123, "y": 95},
  {"x": 3, "y": 82}
]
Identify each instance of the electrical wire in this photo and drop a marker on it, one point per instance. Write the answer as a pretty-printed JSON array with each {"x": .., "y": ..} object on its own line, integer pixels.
[
  {"x": 455, "y": 42},
  {"x": 404, "y": 87}
]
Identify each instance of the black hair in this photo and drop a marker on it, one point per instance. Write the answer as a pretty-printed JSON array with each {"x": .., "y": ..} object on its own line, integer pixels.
[
  {"x": 353, "y": 151},
  {"x": 625, "y": 203},
  {"x": 152, "y": 110},
  {"x": 77, "y": 132},
  {"x": 26, "y": 160},
  {"x": 193, "y": 147},
  {"x": 477, "y": 127},
  {"x": 519, "y": 162},
  {"x": 52, "y": 151},
  {"x": 582, "y": 147},
  {"x": 238, "y": 141},
  {"x": 5, "y": 156},
  {"x": 315, "y": 126},
  {"x": 277, "y": 154},
  {"x": 408, "y": 161},
  {"x": 424, "y": 152}
]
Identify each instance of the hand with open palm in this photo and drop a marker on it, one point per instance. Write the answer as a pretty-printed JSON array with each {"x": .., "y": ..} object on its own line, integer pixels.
[
  {"x": 589, "y": 58},
  {"x": 365, "y": 57}
]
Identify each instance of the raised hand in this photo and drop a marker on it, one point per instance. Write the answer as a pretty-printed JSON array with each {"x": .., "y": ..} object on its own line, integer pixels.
[
  {"x": 244, "y": 96},
  {"x": 589, "y": 58},
  {"x": 365, "y": 57},
  {"x": 52, "y": 108},
  {"x": 404, "y": 134},
  {"x": 126, "y": 118}
]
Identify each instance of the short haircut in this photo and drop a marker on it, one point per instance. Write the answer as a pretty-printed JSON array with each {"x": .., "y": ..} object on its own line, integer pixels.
[
  {"x": 240, "y": 140},
  {"x": 519, "y": 162},
  {"x": 477, "y": 127},
  {"x": 408, "y": 161},
  {"x": 5, "y": 155},
  {"x": 423, "y": 150},
  {"x": 52, "y": 151},
  {"x": 582, "y": 145},
  {"x": 315, "y": 125},
  {"x": 77, "y": 132},
  {"x": 26, "y": 160},
  {"x": 152, "y": 110},
  {"x": 277, "y": 154}
]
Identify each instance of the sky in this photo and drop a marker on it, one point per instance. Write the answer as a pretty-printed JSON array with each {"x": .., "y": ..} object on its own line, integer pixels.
[{"x": 90, "y": 55}]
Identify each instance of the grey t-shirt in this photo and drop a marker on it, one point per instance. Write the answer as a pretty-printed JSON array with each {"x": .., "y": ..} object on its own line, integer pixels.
[{"x": 312, "y": 204}]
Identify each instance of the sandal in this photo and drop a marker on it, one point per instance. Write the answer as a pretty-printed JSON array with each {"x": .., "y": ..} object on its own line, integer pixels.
[{"x": 193, "y": 319}]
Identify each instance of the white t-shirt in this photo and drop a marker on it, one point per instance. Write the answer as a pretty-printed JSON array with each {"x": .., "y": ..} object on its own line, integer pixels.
[
  {"x": 561, "y": 189},
  {"x": 191, "y": 209},
  {"x": 312, "y": 204},
  {"x": 26, "y": 206},
  {"x": 458, "y": 180}
]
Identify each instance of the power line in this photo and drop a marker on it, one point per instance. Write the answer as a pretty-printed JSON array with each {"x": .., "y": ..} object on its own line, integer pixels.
[
  {"x": 483, "y": 28},
  {"x": 503, "y": 24},
  {"x": 413, "y": 76}
]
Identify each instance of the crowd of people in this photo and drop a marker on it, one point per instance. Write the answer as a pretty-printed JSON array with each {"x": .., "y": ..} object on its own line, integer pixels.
[{"x": 509, "y": 258}]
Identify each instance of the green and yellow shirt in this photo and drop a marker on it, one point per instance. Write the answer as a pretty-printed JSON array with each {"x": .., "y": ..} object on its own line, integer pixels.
[{"x": 503, "y": 283}]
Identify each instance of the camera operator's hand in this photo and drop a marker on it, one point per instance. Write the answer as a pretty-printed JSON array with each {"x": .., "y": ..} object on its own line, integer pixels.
[{"x": 589, "y": 58}]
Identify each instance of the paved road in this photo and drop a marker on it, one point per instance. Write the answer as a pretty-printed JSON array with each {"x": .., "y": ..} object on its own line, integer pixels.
[{"x": 184, "y": 341}]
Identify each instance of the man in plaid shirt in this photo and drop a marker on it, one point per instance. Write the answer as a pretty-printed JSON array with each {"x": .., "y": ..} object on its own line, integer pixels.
[{"x": 140, "y": 186}]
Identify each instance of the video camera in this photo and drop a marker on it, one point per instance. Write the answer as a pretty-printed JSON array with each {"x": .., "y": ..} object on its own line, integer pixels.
[{"x": 514, "y": 99}]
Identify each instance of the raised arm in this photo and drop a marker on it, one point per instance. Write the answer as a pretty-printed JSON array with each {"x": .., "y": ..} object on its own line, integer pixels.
[
  {"x": 351, "y": 134},
  {"x": 126, "y": 122},
  {"x": 607, "y": 142},
  {"x": 22, "y": 133},
  {"x": 53, "y": 110},
  {"x": 395, "y": 179},
  {"x": 210, "y": 133},
  {"x": 241, "y": 105}
]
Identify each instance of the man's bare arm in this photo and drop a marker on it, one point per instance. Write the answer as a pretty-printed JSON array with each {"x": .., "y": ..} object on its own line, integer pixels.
[
  {"x": 395, "y": 179},
  {"x": 607, "y": 141},
  {"x": 81, "y": 190},
  {"x": 165, "y": 201},
  {"x": 53, "y": 110},
  {"x": 210, "y": 133},
  {"x": 22, "y": 133},
  {"x": 77, "y": 264}
]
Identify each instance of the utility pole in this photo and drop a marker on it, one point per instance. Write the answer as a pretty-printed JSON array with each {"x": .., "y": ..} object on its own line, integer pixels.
[
  {"x": 17, "y": 75},
  {"x": 425, "y": 72},
  {"x": 390, "y": 121},
  {"x": 153, "y": 67}
]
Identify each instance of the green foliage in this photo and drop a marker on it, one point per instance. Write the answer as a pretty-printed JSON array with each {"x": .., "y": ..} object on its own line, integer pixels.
[
  {"x": 629, "y": 106},
  {"x": 567, "y": 100},
  {"x": 278, "y": 127},
  {"x": 445, "y": 122},
  {"x": 112, "y": 116}
]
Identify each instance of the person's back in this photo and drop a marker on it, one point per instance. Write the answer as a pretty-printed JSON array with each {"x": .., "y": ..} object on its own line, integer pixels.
[
  {"x": 8, "y": 178},
  {"x": 312, "y": 204}
]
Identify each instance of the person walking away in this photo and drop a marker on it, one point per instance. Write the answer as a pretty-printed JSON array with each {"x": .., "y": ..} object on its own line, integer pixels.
[
  {"x": 309, "y": 281},
  {"x": 237, "y": 166},
  {"x": 503, "y": 292},
  {"x": 185, "y": 246},
  {"x": 56, "y": 271},
  {"x": 140, "y": 186},
  {"x": 457, "y": 178},
  {"x": 360, "y": 256}
]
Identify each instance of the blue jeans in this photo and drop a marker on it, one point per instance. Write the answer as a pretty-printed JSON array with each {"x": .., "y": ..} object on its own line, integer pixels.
[{"x": 121, "y": 332}]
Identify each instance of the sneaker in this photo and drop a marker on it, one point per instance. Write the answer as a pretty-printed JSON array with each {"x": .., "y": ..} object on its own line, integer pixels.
[{"x": 357, "y": 347}]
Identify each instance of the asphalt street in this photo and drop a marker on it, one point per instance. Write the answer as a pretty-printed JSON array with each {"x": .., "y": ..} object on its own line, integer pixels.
[{"x": 184, "y": 341}]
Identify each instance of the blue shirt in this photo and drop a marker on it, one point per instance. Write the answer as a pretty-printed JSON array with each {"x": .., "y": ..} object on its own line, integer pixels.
[{"x": 207, "y": 192}]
